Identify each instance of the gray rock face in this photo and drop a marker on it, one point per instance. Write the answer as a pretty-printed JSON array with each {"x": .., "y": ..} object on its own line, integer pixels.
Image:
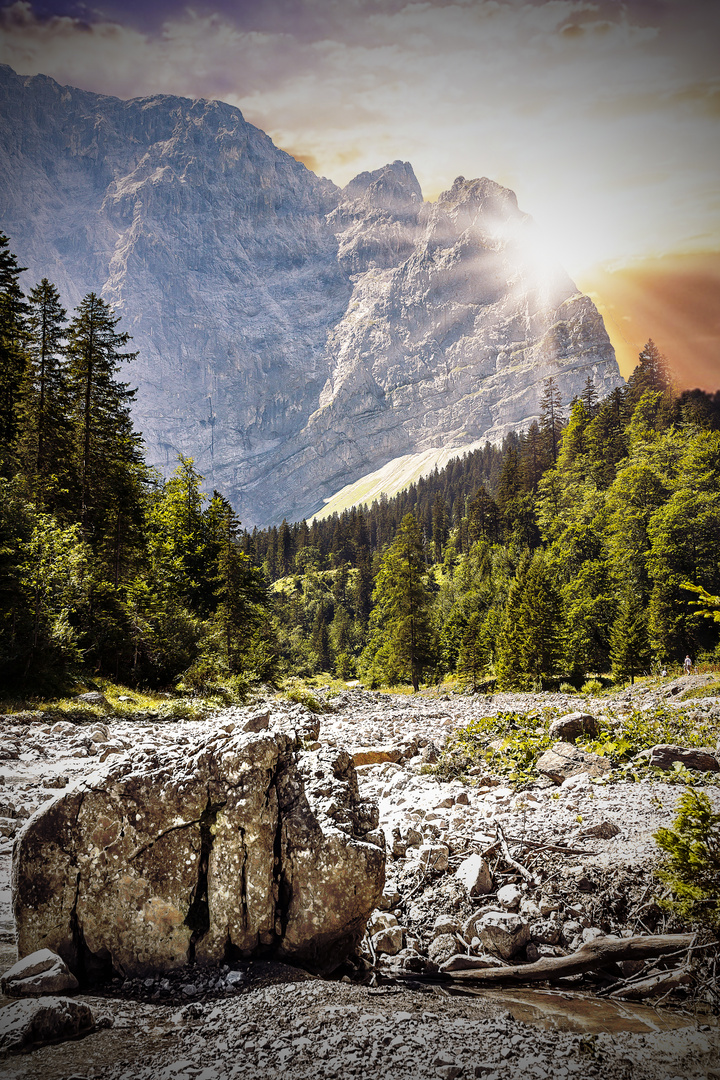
[
  {"x": 292, "y": 336},
  {"x": 232, "y": 850}
]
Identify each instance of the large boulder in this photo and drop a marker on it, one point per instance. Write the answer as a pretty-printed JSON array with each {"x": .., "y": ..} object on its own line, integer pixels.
[{"x": 238, "y": 848}]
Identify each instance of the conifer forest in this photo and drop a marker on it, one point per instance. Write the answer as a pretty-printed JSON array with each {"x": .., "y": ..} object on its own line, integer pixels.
[{"x": 587, "y": 546}]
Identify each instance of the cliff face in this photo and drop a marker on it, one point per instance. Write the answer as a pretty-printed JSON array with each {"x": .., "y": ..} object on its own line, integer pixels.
[{"x": 292, "y": 336}]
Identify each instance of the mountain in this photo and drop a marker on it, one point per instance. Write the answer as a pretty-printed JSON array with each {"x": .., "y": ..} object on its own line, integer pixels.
[{"x": 293, "y": 336}]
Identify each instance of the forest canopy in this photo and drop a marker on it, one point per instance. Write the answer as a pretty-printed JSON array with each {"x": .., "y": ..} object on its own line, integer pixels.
[{"x": 576, "y": 548}]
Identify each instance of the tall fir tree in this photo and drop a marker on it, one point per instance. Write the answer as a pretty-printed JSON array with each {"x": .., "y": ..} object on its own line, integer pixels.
[
  {"x": 106, "y": 446},
  {"x": 46, "y": 444},
  {"x": 401, "y": 644},
  {"x": 13, "y": 312}
]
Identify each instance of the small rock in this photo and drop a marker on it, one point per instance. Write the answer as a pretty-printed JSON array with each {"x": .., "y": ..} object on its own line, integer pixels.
[
  {"x": 604, "y": 830},
  {"x": 375, "y": 755},
  {"x": 503, "y": 933},
  {"x": 388, "y": 941},
  {"x": 56, "y": 781},
  {"x": 544, "y": 932},
  {"x": 434, "y": 856},
  {"x": 664, "y": 756},
  {"x": 257, "y": 721},
  {"x": 430, "y": 755},
  {"x": 93, "y": 697},
  {"x": 445, "y": 924},
  {"x": 442, "y": 948},
  {"x": 381, "y": 920},
  {"x": 474, "y": 873},
  {"x": 42, "y": 972},
  {"x": 564, "y": 759},
  {"x": 52, "y": 1019},
  {"x": 570, "y": 726},
  {"x": 510, "y": 896}
]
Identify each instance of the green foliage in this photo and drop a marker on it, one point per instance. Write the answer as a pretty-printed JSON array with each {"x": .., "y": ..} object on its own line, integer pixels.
[
  {"x": 401, "y": 646},
  {"x": 302, "y": 696},
  {"x": 509, "y": 744},
  {"x": 592, "y": 688},
  {"x": 692, "y": 860}
]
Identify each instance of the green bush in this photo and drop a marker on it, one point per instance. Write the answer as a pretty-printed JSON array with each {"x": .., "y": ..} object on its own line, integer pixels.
[
  {"x": 304, "y": 697},
  {"x": 692, "y": 860},
  {"x": 592, "y": 688},
  {"x": 567, "y": 688}
]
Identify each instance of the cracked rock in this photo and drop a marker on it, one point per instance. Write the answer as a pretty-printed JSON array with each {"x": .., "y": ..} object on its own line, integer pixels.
[{"x": 226, "y": 849}]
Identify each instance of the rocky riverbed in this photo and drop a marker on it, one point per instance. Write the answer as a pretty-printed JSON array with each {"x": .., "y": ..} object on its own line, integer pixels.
[{"x": 584, "y": 853}]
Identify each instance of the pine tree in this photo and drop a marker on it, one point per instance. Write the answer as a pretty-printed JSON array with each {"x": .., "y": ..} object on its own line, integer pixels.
[
  {"x": 46, "y": 405},
  {"x": 629, "y": 641},
  {"x": 105, "y": 444},
  {"x": 551, "y": 421},
  {"x": 401, "y": 645},
  {"x": 13, "y": 311}
]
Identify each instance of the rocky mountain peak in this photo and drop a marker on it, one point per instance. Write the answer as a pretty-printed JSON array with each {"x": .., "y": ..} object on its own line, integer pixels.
[
  {"x": 393, "y": 187},
  {"x": 292, "y": 337}
]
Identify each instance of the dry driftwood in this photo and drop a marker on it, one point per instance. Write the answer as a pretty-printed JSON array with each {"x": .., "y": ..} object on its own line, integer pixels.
[{"x": 595, "y": 954}]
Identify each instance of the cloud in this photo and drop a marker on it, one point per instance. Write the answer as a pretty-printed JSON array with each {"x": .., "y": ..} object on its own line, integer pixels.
[{"x": 604, "y": 123}]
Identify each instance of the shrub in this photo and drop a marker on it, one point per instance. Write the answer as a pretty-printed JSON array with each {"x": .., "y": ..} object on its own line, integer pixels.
[
  {"x": 692, "y": 864},
  {"x": 567, "y": 688},
  {"x": 301, "y": 696},
  {"x": 592, "y": 688}
]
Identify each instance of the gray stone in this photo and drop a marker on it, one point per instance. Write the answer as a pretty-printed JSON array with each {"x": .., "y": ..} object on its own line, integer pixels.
[
  {"x": 26, "y": 1024},
  {"x": 42, "y": 972},
  {"x": 388, "y": 941},
  {"x": 569, "y": 727},
  {"x": 474, "y": 873},
  {"x": 93, "y": 697},
  {"x": 510, "y": 896},
  {"x": 256, "y": 721},
  {"x": 503, "y": 933},
  {"x": 545, "y": 932},
  {"x": 434, "y": 856},
  {"x": 442, "y": 948},
  {"x": 603, "y": 830},
  {"x": 445, "y": 924},
  {"x": 564, "y": 759},
  {"x": 664, "y": 756},
  {"x": 227, "y": 843}
]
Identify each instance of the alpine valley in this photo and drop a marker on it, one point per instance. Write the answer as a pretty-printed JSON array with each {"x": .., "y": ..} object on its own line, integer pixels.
[{"x": 293, "y": 337}]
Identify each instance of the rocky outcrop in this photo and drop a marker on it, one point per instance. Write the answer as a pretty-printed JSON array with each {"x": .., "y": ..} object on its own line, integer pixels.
[
  {"x": 233, "y": 850},
  {"x": 287, "y": 329}
]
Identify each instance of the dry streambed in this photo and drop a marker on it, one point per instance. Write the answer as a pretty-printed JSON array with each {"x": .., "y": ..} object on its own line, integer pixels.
[{"x": 584, "y": 854}]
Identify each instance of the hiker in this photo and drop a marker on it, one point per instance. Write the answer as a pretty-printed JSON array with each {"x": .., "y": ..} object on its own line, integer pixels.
[{"x": 687, "y": 665}]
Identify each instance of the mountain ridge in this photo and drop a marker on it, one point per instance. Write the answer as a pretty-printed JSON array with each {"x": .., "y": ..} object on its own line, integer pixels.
[{"x": 293, "y": 336}]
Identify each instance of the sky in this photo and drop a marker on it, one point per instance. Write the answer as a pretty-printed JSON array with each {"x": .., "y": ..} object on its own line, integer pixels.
[{"x": 603, "y": 117}]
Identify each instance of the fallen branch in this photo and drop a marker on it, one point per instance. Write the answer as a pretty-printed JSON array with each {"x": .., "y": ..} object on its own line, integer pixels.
[
  {"x": 595, "y": 954},
  {"x": 523, "y": 870},
  {"x": 537, "y": 845}
]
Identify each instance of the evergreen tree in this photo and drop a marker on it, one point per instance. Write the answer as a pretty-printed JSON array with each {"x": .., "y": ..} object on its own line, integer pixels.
[
  {"x": 46, "y": 406},
  {"x": 401, "y": 644},
  {"x": 105, "y": 444},
  {"x": 13, "y": 311},
  {"x": 551, "y": 421},
  {"x": 629, "y": 641}
]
